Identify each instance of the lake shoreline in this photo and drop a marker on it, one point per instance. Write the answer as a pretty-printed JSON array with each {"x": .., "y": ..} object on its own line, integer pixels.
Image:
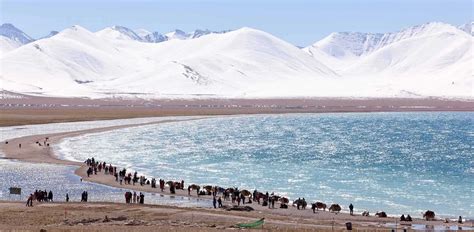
[{"x": 31, "y": 152}]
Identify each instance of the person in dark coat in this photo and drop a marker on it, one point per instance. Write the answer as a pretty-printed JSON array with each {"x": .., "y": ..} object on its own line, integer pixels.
[
  {"x": 219, "y": 202},
  {"x": 29, "y": 202},
  {"x": 402, "y": 218},
  {"x": 50, "y": 195},
  {"x": 142, "y": 198}
]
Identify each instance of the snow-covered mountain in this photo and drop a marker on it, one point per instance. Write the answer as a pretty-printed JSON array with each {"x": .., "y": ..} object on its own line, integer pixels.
[
  {"x": 12, "y": 38},
  {"x": 154, "y": 37},
  {"x": 433, "y": 59},
  {"x": 428, "y": 48},
  {"x": 142, "y": 32},
  {"x": 340, "y": 49},
  {"x": 13, "y": 33},
  {"x": 143, "y": 35},
  {"x": 179, "y": 34},
  {"x": 467, "y": 28},
  {"x": 79, "y": 62},
  {"x": 176, "y": 34},
  {"x": 421, "y": 59},
  {"x": 51, "y": 34},
  {"x": 352, "y": 51},
  {"x": 347, "y": 45},
  {"x": 119, "y": 32}
]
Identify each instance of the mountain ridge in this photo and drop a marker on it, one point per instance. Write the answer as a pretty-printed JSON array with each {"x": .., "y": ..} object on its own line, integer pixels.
[{"x": 431, "y": 59}]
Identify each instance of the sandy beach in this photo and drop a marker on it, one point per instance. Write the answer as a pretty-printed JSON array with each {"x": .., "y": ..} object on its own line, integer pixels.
[
  {"x": 92, "y": 217},
  {"x": 202, "y": 218}
]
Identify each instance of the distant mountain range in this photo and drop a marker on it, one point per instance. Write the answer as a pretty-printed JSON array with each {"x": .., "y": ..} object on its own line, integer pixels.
[{"x": 429, "y": 60}]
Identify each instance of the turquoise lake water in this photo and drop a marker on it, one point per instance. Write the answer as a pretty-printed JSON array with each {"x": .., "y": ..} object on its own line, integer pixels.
[{"x": 395, "y": 162}]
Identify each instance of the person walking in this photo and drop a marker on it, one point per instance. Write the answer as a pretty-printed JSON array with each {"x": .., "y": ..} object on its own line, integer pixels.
[
  {"x": 67, "y": 197},
  {"x": 219, "y": 202},
  {"x": 351, "y": 208},
  {"x": 142, "y": 198},
  {"x": 214, "y": 202},
  {"x": 29, "y": 202},
  {"x": 50, "y": 196}
]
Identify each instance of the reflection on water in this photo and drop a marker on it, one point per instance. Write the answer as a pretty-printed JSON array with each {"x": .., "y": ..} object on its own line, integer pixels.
[{"x": 61, "y": 180}]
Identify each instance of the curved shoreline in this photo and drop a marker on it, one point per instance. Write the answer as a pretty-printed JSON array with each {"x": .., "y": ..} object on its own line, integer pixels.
[{"x": 32, "y": 152}]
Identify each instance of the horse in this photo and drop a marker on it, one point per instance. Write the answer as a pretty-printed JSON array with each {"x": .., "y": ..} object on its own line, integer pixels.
[
  {"x": 365, "y": 213},
  {"x": 381, "y": 214},
  {"x": 177, "y": 185},
  {"x": 170, "y": 183},
  {"x": 245, "y": 193},
  {"x": 194, "y": 187},
  {"x": 319, "y": 205},
  {"x": 335, "y": 208},
  {"x": 284, "y": 200},
  {"x": 429, "y": 215},
  {"x": 297, "y": 202},
  {"x": 230, "y": 190},
  {"x": 258, "y": 196}
]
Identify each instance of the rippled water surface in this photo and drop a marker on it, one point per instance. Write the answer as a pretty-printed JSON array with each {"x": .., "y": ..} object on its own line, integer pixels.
[
  {"x": 61, "y": 180},
  {"x": 396, "y": 162}
]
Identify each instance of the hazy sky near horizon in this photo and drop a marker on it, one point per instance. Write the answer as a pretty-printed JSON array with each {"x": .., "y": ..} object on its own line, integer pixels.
[{"x": 300, "y": 22}]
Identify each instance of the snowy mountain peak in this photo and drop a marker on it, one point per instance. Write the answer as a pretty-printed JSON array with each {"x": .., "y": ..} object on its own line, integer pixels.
[
  {"x": 15, "y": 34},
  {"x": 155, "y": 37},
  {"x": 176, "y": 34},
  {"x": 77, "y": 28},
  {"x": 425, "y": 29},
  {"x": 74, "y": 31},
  {"x": 198, "y": 33},
  {"x": 349, "y": 44},
  {"x": 119, "y": 32},
  {"x": 142, "y": 32},
  {"x": 51, "y": 34},
  {"x": 433, "y": 59},
  {"x": 467, "y": 28},
  {"x": 179, "y": 34}
]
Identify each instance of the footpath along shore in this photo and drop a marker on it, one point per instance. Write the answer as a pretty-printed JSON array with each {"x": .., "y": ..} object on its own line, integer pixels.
[{"x": 30, "y": 151}]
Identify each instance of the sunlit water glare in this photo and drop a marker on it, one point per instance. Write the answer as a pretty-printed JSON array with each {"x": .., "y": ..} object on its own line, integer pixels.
[{"x": 396, "y": 162}]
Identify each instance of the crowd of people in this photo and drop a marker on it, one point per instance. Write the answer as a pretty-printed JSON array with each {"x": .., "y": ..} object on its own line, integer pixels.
[
  {"x": 39, "y": 196},
  {"x": 134, "y": 198},
  {"x": 84, "y": 196},
  {"x": 234, "y": 195},
  {"x": 219, "y": 194}
]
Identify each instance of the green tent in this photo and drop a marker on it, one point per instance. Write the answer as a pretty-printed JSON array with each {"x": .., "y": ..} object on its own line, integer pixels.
[{"x": 254, "y": 224}]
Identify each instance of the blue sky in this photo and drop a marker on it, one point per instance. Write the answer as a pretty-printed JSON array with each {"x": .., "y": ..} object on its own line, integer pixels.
[{"x": 297, "y": 21}]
